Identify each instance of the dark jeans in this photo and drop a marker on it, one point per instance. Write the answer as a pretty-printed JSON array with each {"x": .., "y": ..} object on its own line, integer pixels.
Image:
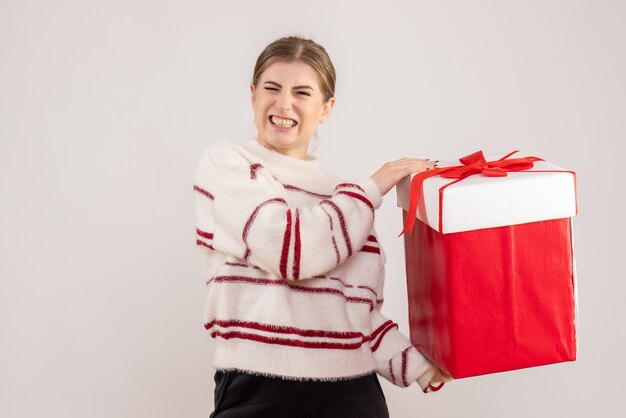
[{"x": 239, "y": 394}]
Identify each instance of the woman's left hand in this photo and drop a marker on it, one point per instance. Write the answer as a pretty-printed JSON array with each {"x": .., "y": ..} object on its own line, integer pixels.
[{"x": 438, "y": 380}]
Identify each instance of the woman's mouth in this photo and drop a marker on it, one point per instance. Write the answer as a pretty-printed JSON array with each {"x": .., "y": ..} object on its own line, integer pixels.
[{"x": 282, "y": 122}]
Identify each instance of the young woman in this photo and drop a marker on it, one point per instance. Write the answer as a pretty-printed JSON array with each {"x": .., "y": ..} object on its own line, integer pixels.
[{"x": 294, "y": 269}]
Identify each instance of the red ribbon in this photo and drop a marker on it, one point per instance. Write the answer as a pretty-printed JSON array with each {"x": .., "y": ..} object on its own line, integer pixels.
[{"x": 472, "y": 164}]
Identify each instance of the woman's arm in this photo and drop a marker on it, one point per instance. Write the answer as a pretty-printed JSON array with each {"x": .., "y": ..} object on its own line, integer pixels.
[
  {"x": 243, "y": 211},
  {"x": 396, "y": 358}
]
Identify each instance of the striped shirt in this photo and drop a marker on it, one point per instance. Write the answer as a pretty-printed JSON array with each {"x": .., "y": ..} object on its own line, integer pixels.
[{"x": 294, "y": 270}]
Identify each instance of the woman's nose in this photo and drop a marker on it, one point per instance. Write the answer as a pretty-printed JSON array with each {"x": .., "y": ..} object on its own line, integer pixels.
[{"x": 283, "y": 101}]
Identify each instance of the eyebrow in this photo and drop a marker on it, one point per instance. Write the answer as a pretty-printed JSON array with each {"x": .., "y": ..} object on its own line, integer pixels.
[{"x": 295, "y": 87}]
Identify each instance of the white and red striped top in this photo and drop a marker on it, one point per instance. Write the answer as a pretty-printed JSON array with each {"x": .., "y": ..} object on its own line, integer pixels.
[{"x": 294, "y": 270}]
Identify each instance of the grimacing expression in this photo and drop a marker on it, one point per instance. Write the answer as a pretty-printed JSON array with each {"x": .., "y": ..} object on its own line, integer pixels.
[{"x": 288, "y": 105}]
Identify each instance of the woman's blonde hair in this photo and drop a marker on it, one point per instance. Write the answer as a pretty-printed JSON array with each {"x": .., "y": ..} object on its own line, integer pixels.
[{"x": 296, "y": 48}]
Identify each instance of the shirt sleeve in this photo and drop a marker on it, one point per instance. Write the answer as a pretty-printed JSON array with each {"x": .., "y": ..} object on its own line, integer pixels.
[
  {"x": 396, "y": 358},
  {"x": 242, "y": 210}
]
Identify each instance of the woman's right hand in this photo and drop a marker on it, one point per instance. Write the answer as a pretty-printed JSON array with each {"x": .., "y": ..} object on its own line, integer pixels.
[{"x": 392, "y": 172}]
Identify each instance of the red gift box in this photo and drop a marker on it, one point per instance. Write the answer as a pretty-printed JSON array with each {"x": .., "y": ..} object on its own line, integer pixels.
[{"x": 491, "y": 299}]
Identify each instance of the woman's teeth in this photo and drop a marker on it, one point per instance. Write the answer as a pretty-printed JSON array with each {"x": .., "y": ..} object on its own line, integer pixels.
[{"x": 283, "y": 123}]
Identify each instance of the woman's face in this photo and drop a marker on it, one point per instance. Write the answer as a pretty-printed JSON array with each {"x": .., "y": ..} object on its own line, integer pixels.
[{"x": 288, "y": 105}]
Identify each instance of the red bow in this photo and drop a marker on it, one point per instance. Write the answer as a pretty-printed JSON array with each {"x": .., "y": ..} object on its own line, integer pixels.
[{"x": 472, "y": 164}]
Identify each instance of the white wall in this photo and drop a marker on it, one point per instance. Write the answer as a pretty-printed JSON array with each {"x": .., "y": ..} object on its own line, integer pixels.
[{"x": 105, "y": 106}]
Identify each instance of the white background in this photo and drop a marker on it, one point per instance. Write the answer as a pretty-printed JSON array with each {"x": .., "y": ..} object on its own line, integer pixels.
[{"x": 105, "y": 106}]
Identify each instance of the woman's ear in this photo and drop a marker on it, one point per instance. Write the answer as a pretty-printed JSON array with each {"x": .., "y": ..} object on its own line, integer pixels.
[
  {"x": 252, "y": 92},
  {"x": 326, "y": 109}
]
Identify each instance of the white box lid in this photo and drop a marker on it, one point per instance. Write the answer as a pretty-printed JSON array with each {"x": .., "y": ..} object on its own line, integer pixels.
[{"x": 479, "y": 201}]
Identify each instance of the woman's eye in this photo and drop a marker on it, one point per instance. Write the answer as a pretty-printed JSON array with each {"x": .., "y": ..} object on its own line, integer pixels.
[{"x": 300, "y": 92}]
